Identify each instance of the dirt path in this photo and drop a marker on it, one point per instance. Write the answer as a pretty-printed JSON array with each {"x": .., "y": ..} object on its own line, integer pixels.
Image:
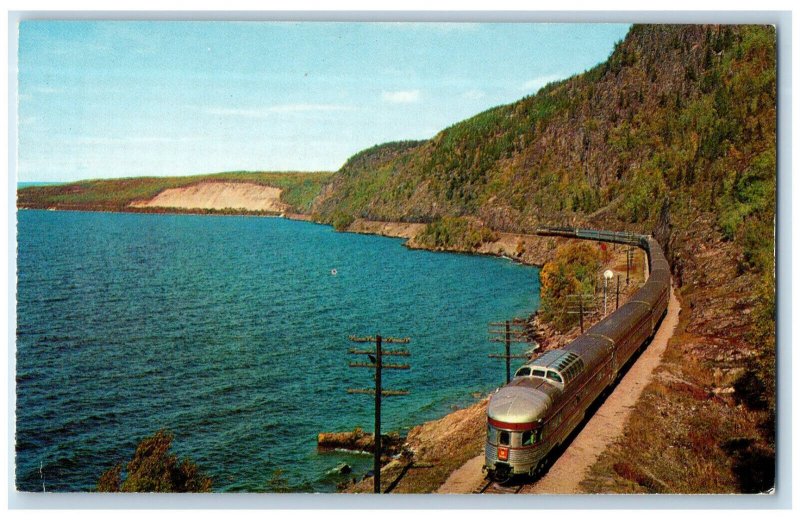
[
  {"x": 466, "y": 478},
  {"x": 606, "y": 424}
]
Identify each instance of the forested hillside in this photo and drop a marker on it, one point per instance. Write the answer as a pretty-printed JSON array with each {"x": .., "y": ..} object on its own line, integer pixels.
[
  {"x": 676, "y": 111},
  {"x": 675, "y": 134}
]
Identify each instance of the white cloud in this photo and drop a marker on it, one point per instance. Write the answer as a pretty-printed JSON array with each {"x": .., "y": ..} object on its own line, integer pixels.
[
  {"x": 261, "y": 112},
  {"x": 401, "y": 96},
  {"x": 473, "y": 94},
  {"x": 537, "y": 83}
]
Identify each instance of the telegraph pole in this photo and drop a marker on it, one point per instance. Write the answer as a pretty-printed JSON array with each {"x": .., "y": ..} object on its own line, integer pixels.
[
  {"x": 513, "y": 332},
  {"x": 629, "y": 256},
  {"x": 376, "y": 362},
  {"x": 582, "y": 305}
]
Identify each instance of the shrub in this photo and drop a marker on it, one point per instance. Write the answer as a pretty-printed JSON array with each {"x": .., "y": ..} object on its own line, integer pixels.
[
  {"x": 751, "y": 191},
  {"x": 571, "y": 271},
  {"x": 154, "y": 469},
  {"x": 341, "y": 221},
  {"x": 457, "y": 233}
]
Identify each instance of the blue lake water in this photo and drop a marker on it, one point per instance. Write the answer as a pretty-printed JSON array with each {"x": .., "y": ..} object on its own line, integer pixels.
[
  {"x": 232, "y": 333},
  {"x": 37, "y": 183}
]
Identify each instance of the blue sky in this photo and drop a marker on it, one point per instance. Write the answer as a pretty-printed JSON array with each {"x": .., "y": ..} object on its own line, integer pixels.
[{"x": 119, "y": 99}]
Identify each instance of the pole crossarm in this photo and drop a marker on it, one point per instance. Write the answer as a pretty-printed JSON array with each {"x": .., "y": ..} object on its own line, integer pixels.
[
  {"x": 376, "y": 363},
  {"x": 371, "y": 391},
  {"x": 373, "y": 339},
  {"x": 383, "y": 352},
  {"x": 390, "y": 366},
  {"x": 514, "y": 322},
  {"x": 512, "y": 332}
]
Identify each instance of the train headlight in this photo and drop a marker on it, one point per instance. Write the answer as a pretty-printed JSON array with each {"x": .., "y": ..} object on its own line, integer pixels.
[{"x": 502, "y": 453}]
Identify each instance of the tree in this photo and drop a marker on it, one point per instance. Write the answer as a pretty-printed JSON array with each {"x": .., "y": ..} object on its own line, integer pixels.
[
  {"x": 571, "y": 271},
  {"x": 154, "y": 469}
]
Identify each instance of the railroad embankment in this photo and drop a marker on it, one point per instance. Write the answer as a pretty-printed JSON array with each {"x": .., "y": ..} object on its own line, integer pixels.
[
  {"x": 704, "y": 422},
  {"x": 524, "y": 248}
]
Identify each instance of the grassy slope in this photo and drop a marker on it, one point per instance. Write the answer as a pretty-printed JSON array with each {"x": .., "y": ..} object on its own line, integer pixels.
[
  {"x": 673, "y": 134},
  {"x": 299, "y": 189}
]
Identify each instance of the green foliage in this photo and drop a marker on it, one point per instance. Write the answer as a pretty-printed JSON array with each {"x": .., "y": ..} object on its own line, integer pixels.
[
  {"x": 455, "y": 233},
  {"x": 642, "y": 196},
  {"x": 572, "y": 271},
  {"x": 581, "y": 197},
  {"x": 341, "y": 221},
  {"x": 154, "y": 469},
  {"x": 364, "y": 179},
  {"x": 765, "y": 313},
  {"x": 377, "y": 154},
  {"x": 751, "y": 191}
]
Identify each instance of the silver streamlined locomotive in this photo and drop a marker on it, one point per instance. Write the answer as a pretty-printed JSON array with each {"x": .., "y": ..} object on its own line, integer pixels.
[{"x": 548, "y": 396}]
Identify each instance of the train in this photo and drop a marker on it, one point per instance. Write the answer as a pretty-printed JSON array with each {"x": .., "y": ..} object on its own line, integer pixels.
[{"x": 548, "y": 397}]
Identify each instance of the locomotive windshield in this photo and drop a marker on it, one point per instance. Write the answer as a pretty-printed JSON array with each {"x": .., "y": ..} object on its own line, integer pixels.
[
  {"x": 554, "y": 376},
  {"x": 504, "y": 438},
  {"x": 538, "y": 373},
  {"x": 524, "y": 371}
]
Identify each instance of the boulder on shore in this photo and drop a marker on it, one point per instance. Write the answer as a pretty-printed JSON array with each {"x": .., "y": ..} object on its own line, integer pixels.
[{"x": 359, "y": 440}]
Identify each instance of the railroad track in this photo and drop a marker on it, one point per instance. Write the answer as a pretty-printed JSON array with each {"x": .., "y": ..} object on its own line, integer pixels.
[{"x": 490, "y": 487}]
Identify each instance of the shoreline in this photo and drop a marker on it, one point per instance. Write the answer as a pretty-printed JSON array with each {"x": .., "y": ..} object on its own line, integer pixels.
[{"x": 389, "y": 229}]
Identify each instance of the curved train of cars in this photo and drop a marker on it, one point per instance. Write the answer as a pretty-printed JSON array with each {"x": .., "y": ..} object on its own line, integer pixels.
[{"x": 549, "y": 395}]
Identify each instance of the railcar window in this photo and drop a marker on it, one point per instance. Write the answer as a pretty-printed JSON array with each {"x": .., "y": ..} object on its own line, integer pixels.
[
  {"x": 504, "y": 438},
  {"x": 524, "y": 371},
  {"x": 527, "y": 438},
  {"x": 554, "y": 376},
  {"x": 538, "y": 373},
  {"x": 491, "y": 433}
]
